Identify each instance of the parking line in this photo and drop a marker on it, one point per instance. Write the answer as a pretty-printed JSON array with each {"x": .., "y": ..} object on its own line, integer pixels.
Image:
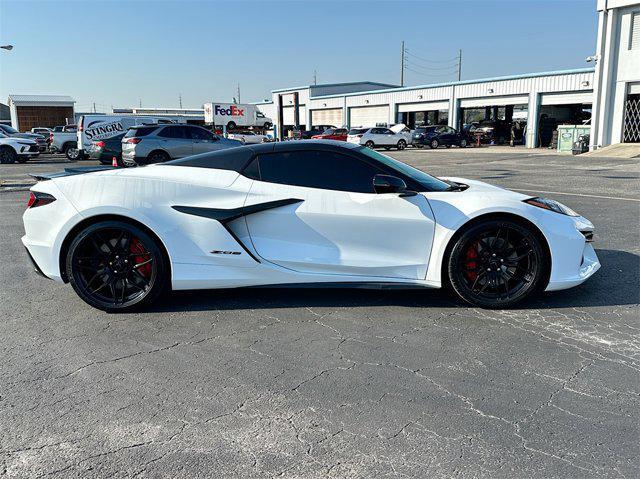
[{"x": 579, "y": 194}]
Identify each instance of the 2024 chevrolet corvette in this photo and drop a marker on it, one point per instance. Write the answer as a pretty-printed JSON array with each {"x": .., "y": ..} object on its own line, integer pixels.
[{"x": 293, "y": 213}]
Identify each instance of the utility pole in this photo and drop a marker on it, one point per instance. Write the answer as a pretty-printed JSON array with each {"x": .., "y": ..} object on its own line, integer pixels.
[
  {"x": 180, "y": 99},
  {"x": 239, "y": 93},
  {"x": 94, "y": 106},
  {"x": 459, "y": 64},
  {"x": 402, "y": 64},
  {"x": 140, "y": 102},
  {"x": 315, "y": 77}
]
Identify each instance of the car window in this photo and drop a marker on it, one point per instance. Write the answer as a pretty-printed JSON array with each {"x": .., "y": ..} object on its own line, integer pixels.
[
  {"x": 341, "y": 131},
  {"x": 174, "y": 132},
  {"x": 140, "y": 131},
  {"x": 318, "y": 169},
  {"x": 199, "y": 133}
]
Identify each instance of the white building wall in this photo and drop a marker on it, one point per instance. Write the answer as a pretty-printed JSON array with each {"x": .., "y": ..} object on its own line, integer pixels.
[{"x": 617, "y": 68}]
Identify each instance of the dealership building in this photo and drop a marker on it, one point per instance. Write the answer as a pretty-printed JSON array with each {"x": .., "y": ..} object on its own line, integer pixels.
[{"x": 606, "y": 96}]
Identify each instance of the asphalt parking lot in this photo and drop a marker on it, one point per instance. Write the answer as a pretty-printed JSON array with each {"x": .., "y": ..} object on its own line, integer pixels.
[{"x": 335, "y": 383}]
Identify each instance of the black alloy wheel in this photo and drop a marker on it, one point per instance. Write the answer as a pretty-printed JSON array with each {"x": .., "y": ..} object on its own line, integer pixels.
[
  {"x": 116, "y": 266},
  {"x": 7, "y": 155},
  {"x": 157, "y": 157},
  {"x": 496, "y": 264}
]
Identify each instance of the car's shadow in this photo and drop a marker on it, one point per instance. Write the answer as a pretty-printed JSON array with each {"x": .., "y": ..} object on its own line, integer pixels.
[{"x": 616, "y": 284}]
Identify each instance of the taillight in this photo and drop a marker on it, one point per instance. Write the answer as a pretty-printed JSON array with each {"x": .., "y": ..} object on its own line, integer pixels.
[
  {"x": 100, "y": 144},
  {"x": 39, "y": 199},
  {"x": 133, "y": 141},
  {"x": 360, "y": 136}
]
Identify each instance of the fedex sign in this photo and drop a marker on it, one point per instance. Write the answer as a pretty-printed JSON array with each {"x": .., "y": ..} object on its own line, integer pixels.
[{"x": 231, "y": 111}]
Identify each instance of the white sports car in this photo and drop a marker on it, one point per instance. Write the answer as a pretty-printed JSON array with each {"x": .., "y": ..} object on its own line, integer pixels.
[{"x": 304, "y": 212}]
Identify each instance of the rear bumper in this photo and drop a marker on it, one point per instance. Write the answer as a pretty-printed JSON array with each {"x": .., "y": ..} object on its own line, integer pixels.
[{"x": 36, "y": 268}]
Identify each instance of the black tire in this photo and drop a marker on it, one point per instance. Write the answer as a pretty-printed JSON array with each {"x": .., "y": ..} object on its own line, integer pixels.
[
  {"x": 434, "y": 144},
  {"x": 401, "y": 144},
  {"x": 8, "y": 155},
  {"x": 72, "y": 152},
  {"x": 463, "y": 143},
  {"x": 369, "y": 144},
  {"x": 231, "y": 125},
  {"x": 142, "y": 273},
  {"x": 497, "y": 263},
  {"x": 157, "y": 156}
]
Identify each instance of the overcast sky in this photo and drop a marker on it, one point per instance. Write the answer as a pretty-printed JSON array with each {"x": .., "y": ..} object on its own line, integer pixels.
[{"x": 122, "y": 52}]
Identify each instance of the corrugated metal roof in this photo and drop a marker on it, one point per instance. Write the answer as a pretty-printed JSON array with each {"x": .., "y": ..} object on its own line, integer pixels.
[{"x": 41, "y": 98}]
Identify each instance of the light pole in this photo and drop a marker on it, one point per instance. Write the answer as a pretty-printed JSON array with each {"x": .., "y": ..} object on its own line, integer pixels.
[{"x": 7, "y": 47}]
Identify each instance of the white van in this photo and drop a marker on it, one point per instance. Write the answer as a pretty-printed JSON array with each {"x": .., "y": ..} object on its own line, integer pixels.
[
  {"x": 100, "y": 127},
  {"x": 233, "y": 115}
]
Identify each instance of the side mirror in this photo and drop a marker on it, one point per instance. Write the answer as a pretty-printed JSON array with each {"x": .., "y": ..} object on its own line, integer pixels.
[{"x": 391, "y": 184}]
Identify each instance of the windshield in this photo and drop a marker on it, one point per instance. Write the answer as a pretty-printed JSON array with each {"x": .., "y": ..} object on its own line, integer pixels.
[
  {"x": 9, "y": 129},
  {"x": 358, "y": 131},
  {"x": 425, "y": 180},
  {"x": 330, "y": 131}
]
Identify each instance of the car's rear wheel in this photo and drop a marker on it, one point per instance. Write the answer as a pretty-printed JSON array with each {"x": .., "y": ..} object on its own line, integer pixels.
[
  {"x": 369, "y": 144},
  {"x": 231, "y": 125},
  {"x": 157, "y": 157},
  {"x": 463, "y": 143},
  {"x": 116, "y": 266},
  {"x": 434, "y": 144},
  {"x": 7, "y": 155},
  {"x": 497, "y": 263},
  {"x": 72, "y": 152},
  {"x": 401, "y": 144}
]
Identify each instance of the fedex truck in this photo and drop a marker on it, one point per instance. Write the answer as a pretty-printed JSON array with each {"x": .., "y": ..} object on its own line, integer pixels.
[{"x": 233, "y": 115}]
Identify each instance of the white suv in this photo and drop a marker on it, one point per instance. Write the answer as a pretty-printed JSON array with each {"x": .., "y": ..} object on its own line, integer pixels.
[
  {"x": 398, "y": 136},
  {"x": 16, "y": 149}
]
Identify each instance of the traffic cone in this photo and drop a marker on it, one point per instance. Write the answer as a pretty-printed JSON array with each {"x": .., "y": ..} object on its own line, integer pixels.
[{"x": 114, "y": 162}]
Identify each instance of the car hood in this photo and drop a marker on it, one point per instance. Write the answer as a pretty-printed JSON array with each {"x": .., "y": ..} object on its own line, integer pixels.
[
  {"x": 483, "y": 189},
  {"x": 398, "y": 128}
]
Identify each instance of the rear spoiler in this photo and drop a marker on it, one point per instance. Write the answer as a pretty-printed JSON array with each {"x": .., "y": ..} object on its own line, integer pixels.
[{"x": 79, "y": 170}]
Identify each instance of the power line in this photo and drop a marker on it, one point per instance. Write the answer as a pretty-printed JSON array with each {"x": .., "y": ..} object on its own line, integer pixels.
[
  {"x": 426, "y": 67},
  {"x": 429, "y": 60}
]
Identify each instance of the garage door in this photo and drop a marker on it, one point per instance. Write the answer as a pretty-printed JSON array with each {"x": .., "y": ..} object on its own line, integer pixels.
[
  {"x": 575, "y": 98},
  {"x": 288, "y": 115},
  {"x": 423, "y": 106},
  {"x": 494, "y": 101},
  {"x": 368, "y": 116},
  {"x": 330, "y": 116}
]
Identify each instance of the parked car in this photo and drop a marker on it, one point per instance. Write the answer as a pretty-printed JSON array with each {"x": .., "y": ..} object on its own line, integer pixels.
[
  {"x": 498, "y": 131},
  {"x": 287, "y": 213},
  {"x": 354, "y": 134},
  {"x": 302, "y": 134},
  {"x": 65, "y": 142},
  {"x": 435, "y": 136},
  {"x": 105, "y": 150},
  {"x": 338, "y": 134},
  {"x": 16, "y": 149},
  {"x": 398, "y": 136},
  {"x": 100, "y": 127},
  {"x": 146, "y": 144},
  {"x": 248, "y": 137},
  {"x": 13, "y": 133}
]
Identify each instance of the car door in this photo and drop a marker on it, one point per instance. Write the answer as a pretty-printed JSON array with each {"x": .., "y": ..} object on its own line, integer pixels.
[
  {"x": 203, "y": 140},
  {"x": 334, "y": 222},
  {"x": 176, "y": 141}
]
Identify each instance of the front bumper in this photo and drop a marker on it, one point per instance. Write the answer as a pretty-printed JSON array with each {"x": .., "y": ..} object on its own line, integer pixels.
[{"x": 589, "y": 265}]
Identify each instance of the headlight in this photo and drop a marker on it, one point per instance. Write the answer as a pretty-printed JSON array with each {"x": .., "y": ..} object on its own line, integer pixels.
[{"x": 552, "y": 205}]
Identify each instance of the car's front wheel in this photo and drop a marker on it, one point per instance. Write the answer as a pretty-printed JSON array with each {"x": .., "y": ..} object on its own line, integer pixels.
[
  {"x": 116, "y": 266},
  {"x": 401, "y": 145},
  {"x": 7, "y": 155},
  {"x": 72, "y": 152},
  {"x": 497, "y": 263}
]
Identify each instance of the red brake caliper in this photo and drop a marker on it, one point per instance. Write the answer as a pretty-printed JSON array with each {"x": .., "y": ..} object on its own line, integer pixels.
[
  {"x": 141, "y": 256},
  {"x": 471, "y": 263}
]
